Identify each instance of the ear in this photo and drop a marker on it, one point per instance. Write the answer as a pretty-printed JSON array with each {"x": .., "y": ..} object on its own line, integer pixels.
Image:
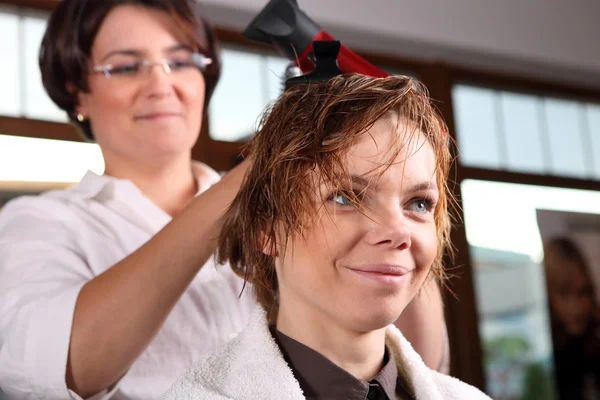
[{"x": 81, "y": 100}]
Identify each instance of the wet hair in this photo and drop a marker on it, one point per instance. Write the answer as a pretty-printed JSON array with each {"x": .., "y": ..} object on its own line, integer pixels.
[
  {"x": 302, "y": 142},
  {"x": 70, "y": 34}
]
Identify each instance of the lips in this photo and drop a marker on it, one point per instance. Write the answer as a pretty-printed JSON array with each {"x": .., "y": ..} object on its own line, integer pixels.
[
  {"x": 383, "y": 269},
  {"x": 383, "y": 274},
  {"x": 157, "y": 115}
]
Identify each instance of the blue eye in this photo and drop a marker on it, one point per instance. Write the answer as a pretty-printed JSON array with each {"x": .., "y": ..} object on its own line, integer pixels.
[
  {"x": 346, "y": 198},
  {"x": 422, "y": 205},
  {"x": 342, "y": 200}
]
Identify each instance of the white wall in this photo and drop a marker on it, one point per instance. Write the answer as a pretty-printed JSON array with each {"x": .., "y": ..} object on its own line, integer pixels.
[{"x": 551, "y": 39}]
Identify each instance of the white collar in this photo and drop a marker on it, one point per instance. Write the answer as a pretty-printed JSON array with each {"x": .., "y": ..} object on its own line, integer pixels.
[
  {"x": 93, "y": 184},
  {"x": 126, "y": 199}
]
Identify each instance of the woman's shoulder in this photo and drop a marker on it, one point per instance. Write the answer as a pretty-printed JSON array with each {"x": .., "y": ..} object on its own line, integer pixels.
[
  {"x": 59, "y": 204},
  {"x": 30, "y": 227},
  {"x": 187, "y": 390},
  {"x": 57, "y": 211},
  {"x": 427, "y": 383},
  {"x": 48, "y": 205},
  {"x": 451, "y": 388},
  {"x": 242, "y": 368}
]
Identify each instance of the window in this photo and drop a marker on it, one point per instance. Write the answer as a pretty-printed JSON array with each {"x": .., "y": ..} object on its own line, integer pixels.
[
  {"x": 249, "y": 82},
  {"x": 26, "y": 160},
  {"x": 506, "y": 253},
  {"x": 593, "y": 124},
  {"x": 44, "y": 160},
  {"x": 526, "y": 133},
  {"x": 9, "y": 67},
  {"x": 21, "y": 31},
  {"x": 476, "y": 131}
]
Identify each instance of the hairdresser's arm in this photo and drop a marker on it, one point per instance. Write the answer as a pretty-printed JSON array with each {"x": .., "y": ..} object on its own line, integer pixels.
[
  {"x": 423, "y": 324},
  {"x": 118, "y": 313}
]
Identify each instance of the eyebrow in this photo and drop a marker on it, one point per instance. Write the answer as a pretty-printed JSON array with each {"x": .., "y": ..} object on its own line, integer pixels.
[
  {"x": 418, "y": 187},
  {"x": 138, "y": 53},
  {"x": 360, "y": 180},
  {"x": 422, "y": 187}
]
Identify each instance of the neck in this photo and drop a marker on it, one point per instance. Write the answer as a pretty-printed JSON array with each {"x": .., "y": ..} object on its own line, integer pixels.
[
  {"x": 170, "y": 184},
  {"x": 359, "y": 353}
]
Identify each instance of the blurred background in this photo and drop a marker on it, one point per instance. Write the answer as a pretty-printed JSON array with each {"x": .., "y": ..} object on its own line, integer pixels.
[{"x": 517, "y": 81}]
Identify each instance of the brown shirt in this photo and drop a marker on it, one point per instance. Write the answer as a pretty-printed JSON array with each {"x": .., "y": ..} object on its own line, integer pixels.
[{"x": 319, "y": 378}]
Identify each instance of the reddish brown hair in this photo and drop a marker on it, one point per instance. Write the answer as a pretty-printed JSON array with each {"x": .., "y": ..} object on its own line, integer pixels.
[
  {"x": 72, "y": 29},
  {"x": 306, "y": 134}
]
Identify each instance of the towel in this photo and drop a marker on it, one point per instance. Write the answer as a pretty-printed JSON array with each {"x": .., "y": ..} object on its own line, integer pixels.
[{"x": 252, "y": 367}]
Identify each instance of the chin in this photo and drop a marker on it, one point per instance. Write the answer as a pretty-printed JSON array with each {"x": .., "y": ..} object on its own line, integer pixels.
[
  {"x": 173, "y": 144},
  {"x": 377, "y": 316}
]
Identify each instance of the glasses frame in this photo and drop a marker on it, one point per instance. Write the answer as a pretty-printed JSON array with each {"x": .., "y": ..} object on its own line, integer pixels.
[{"x": 198, "y": 59}]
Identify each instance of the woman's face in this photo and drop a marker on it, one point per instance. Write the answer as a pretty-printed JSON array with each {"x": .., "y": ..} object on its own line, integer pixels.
[
  {"x": 149, "y": 116},
  {"x": 572, "y": 301},
  {"x": 360, "y": 270}
]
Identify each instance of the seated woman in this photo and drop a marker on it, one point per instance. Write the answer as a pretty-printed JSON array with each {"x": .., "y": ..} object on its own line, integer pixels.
[
  {"x": 574, "y": 320},
  {"x": 342, "y": 218}
]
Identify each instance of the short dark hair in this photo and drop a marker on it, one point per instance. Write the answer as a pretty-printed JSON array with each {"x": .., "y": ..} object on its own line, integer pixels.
[{"x": 70, "y": 34}]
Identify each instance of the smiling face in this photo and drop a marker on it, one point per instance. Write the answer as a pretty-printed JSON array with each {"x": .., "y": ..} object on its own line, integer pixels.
[
  {"x": 150, "y": 115},
  {"x": 360, "y": 268}
]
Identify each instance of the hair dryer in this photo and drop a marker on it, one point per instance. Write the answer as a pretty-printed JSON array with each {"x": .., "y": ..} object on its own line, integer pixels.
[{"x": 282, "y": 24}]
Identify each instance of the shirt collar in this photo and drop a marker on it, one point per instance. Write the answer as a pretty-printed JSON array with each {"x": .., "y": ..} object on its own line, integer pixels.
[
  {"x": 126, "y": 199},
  {"x": 319, "y": 377},
  {"x": 388, "y": 377},
  {"x": 93, "y": 184}
]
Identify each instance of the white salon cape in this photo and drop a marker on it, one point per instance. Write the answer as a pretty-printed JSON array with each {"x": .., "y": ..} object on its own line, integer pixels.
[{"x": 52, "y": 244}]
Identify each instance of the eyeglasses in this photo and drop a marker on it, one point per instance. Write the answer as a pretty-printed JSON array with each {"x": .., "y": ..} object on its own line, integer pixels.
[{"x": 136, "y": 69}]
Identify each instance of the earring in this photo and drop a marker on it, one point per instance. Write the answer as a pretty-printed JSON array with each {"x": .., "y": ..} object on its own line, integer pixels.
[{"x": 80, "y": 117}]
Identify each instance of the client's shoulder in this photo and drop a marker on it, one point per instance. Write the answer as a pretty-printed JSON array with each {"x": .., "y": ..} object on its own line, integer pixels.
[
  {"x": 426, "y": 383},
  {"x": 249, "y": 366},
  {"x": 454, "y": 389}
]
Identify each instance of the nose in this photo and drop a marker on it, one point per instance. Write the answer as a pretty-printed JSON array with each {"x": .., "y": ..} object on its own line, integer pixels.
[
  {"x": 158, "y": 82},
  {"x": 390, "y": 231}
]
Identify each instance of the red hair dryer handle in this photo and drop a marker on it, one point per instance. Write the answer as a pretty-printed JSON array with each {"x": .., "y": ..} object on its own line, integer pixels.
[{"x": 348, "y": 61}]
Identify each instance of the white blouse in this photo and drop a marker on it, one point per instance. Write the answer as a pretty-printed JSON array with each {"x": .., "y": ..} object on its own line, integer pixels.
[{"x": 52, "y": 244}]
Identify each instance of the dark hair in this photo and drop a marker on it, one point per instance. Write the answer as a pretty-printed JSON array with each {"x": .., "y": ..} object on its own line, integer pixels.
[
  {"x": 308, "y": 132},
  {"x": 571, "y": 351},
  {"x": 556, "y": 252},
  {"x": 72, "y": 29}
]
